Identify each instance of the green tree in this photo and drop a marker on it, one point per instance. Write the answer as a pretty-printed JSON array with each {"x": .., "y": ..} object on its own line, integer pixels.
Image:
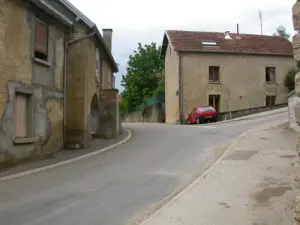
[
  {"x": 289, "y": 80},
  {"x": 281, "y": 31},
  {"x": 142, "y": 75}
]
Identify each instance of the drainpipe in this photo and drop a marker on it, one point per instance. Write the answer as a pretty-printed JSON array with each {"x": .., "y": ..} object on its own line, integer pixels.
[
  {"x": 67, "y": 44},
  {"x": 180, "y": 91},
  {"x": 81, "y": 38}
]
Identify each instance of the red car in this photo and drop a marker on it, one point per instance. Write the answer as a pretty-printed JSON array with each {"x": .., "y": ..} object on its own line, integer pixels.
[{"x": 202, "y": 114}]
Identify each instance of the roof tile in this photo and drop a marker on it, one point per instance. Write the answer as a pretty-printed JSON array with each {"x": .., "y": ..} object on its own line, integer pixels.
[{"x": 247, "y": 43}]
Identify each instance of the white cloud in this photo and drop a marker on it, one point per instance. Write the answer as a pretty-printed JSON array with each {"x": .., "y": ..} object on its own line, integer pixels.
[{"x": 136, "y": 21}]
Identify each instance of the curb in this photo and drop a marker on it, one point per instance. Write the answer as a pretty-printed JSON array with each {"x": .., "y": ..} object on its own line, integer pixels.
[
  {"x": 239, "y": 119},
  {"x": 69, "y": 161},
  {"x": 234, "y": 142}
]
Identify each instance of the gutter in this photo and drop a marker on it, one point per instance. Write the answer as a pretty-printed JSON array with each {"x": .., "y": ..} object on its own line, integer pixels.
[
  {"x": 235, "y": 53},
  {"x": 180, "y": 89}
]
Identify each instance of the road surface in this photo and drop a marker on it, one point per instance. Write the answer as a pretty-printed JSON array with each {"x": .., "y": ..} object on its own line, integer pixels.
[{"x": 123, "y": 184}]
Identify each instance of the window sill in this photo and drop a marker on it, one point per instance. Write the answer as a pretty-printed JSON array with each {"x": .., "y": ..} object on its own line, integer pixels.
[
  {"x": 25, "y": 140},
  {"x": 41, "y": 62},
  {"x": 214, "y": 82},
  {"x": 270, "y": 83}
]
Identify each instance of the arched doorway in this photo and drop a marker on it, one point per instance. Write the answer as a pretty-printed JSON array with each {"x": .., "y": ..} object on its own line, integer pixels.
[{"x": 94, "y": 112}]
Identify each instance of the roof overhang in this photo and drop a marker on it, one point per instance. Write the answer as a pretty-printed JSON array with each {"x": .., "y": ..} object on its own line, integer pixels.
[
  {"x": 164, "y": 45},
  {"x": 45, "y": 6},
  {"x": 234, "y": 53}
]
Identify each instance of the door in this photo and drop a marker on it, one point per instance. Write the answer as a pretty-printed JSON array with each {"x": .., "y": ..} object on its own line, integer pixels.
[
  {"x": 20, "y": 116},
  {"x": 214, "y": 101}
]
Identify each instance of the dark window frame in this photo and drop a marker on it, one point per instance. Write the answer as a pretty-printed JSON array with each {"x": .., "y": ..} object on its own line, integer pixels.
[
  {"x": 269, "y": 77},
  {"x": 214, "y": 74}
]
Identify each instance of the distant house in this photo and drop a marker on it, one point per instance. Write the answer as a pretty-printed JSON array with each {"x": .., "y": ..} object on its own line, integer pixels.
[
  {"x": 54, "y": 61},
  {"x": 224, "y": 70}
]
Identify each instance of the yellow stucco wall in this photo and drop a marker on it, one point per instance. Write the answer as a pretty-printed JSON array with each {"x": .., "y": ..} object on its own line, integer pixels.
[
  {"x": 242, "y": 75},
  {"x": 171, "y": 86},
  {"x": 19, "y": 72},
  {"x": 15, "y": 63}
]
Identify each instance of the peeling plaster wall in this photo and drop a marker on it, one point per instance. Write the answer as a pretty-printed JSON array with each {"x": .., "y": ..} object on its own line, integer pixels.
[
  {"x": 296, "y": 106},
  {"x": 18, "y": 71},
  {"x": 81, "y": 85}
]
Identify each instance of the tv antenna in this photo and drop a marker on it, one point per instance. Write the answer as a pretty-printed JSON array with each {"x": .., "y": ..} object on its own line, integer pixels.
[{"x": 260, "y": 22}]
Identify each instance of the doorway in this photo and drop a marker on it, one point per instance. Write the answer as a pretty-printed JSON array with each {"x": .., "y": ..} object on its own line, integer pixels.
[
  {"x": 214, "y": 101},
  {"x": 94, "y": 114}
]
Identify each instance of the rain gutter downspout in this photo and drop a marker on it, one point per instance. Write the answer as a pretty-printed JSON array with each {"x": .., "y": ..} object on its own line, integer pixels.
[
  {"x": 67, "y": 44},
  {"x": 180, "y": 94}
]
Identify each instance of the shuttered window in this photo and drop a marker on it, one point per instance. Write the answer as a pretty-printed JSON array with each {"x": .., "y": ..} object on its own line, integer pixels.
[
  {"x": 20, "y": 116},
  {"x": 41, "y": 41}
]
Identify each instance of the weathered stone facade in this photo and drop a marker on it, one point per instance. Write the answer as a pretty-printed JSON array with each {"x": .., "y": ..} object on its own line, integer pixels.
[
  {"x": 41, "y": 82},
  {"x": 59, "y": 90},
  {"x": 296, "y": 46}
]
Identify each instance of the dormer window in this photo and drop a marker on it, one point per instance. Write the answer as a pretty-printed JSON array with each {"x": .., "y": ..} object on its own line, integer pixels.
[{"x": 208, "y": 43}]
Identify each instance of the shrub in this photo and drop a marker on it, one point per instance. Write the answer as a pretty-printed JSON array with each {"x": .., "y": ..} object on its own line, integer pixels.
[{"x": 289, "y": 80}]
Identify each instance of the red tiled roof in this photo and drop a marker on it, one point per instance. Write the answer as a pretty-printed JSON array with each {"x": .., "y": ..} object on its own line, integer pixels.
[{"x": 248, "y": 43}]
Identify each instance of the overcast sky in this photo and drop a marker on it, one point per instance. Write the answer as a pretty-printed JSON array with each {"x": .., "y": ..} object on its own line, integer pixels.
[{"x": 136, "y": 21}]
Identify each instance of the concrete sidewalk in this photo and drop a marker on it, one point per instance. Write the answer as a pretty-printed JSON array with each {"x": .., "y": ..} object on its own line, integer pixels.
[
  {"x": 96, "y": 146},
  {"x": 255, "y": 115},
  {"x": 252, "y": 185}
]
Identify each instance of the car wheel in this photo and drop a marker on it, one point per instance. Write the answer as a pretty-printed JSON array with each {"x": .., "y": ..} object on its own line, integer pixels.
[{"x": 198, "y": 121}]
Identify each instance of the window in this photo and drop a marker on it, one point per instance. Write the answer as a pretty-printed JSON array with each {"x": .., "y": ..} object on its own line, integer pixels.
[
  {"x": 270, "y": 74},
  {"x": 97, "y": 66},
  {"x": 101, "y": 72},
  {"x": 41, "y": 41},
  {"x": 214, "y": 74},
  {"x": 113, "y": 81},
  {"x": 21, "y": 116},
  {"x": 109, "y": 75},
  {"x": 209, "y": 43},
  {"x": 214, "y": 101},
  {"x": 270, "y": 100}
]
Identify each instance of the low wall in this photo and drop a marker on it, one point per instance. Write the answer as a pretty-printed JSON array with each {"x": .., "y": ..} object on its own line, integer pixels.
[
  {"x": 152, "y": 114},
  {"x": 293, "y": 100},
  {"x": 245, "y": 112}
]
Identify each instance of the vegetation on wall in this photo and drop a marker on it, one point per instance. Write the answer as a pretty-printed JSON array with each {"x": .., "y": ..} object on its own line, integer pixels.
[
  {"x": 144, "y": 76},
  {"x": 289, "y": 80}
]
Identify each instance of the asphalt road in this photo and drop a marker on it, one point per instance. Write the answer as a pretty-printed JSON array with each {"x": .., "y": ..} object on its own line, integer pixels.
[{"x": 115, "y": 186}]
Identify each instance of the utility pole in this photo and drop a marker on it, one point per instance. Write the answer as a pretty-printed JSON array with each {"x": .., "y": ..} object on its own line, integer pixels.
[
  {"x": 228, "y": 105},
  {"x": 261, "y": 22}
]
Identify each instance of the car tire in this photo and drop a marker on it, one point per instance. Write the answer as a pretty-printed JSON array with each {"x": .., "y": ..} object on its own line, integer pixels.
[{"x": 198, "y": 121}]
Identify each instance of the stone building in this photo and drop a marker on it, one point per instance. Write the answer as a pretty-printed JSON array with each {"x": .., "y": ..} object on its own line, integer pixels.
[
  {"x": 54, "y": 63},
  {"x": 229, "y": 71},
  {"x": 296, "y": 47}
]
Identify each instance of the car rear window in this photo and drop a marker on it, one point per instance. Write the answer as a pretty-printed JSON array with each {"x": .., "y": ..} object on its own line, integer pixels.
[{"x": 205, "y": 109}]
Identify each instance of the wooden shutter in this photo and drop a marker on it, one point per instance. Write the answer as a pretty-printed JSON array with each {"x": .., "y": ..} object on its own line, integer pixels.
[
  {"x": 41, "y": 38},
  {"x": 20, "y": 116}
]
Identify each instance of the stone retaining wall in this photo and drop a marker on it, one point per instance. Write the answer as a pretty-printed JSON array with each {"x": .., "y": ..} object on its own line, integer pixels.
[{"x": 296, "y": 47}]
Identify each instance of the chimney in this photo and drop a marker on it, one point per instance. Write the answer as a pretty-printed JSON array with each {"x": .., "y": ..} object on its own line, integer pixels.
[
  {"x": 227, "y": 35},
  {"x": 237, "y": 29},
  {"x": 107, "y": 36}
]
